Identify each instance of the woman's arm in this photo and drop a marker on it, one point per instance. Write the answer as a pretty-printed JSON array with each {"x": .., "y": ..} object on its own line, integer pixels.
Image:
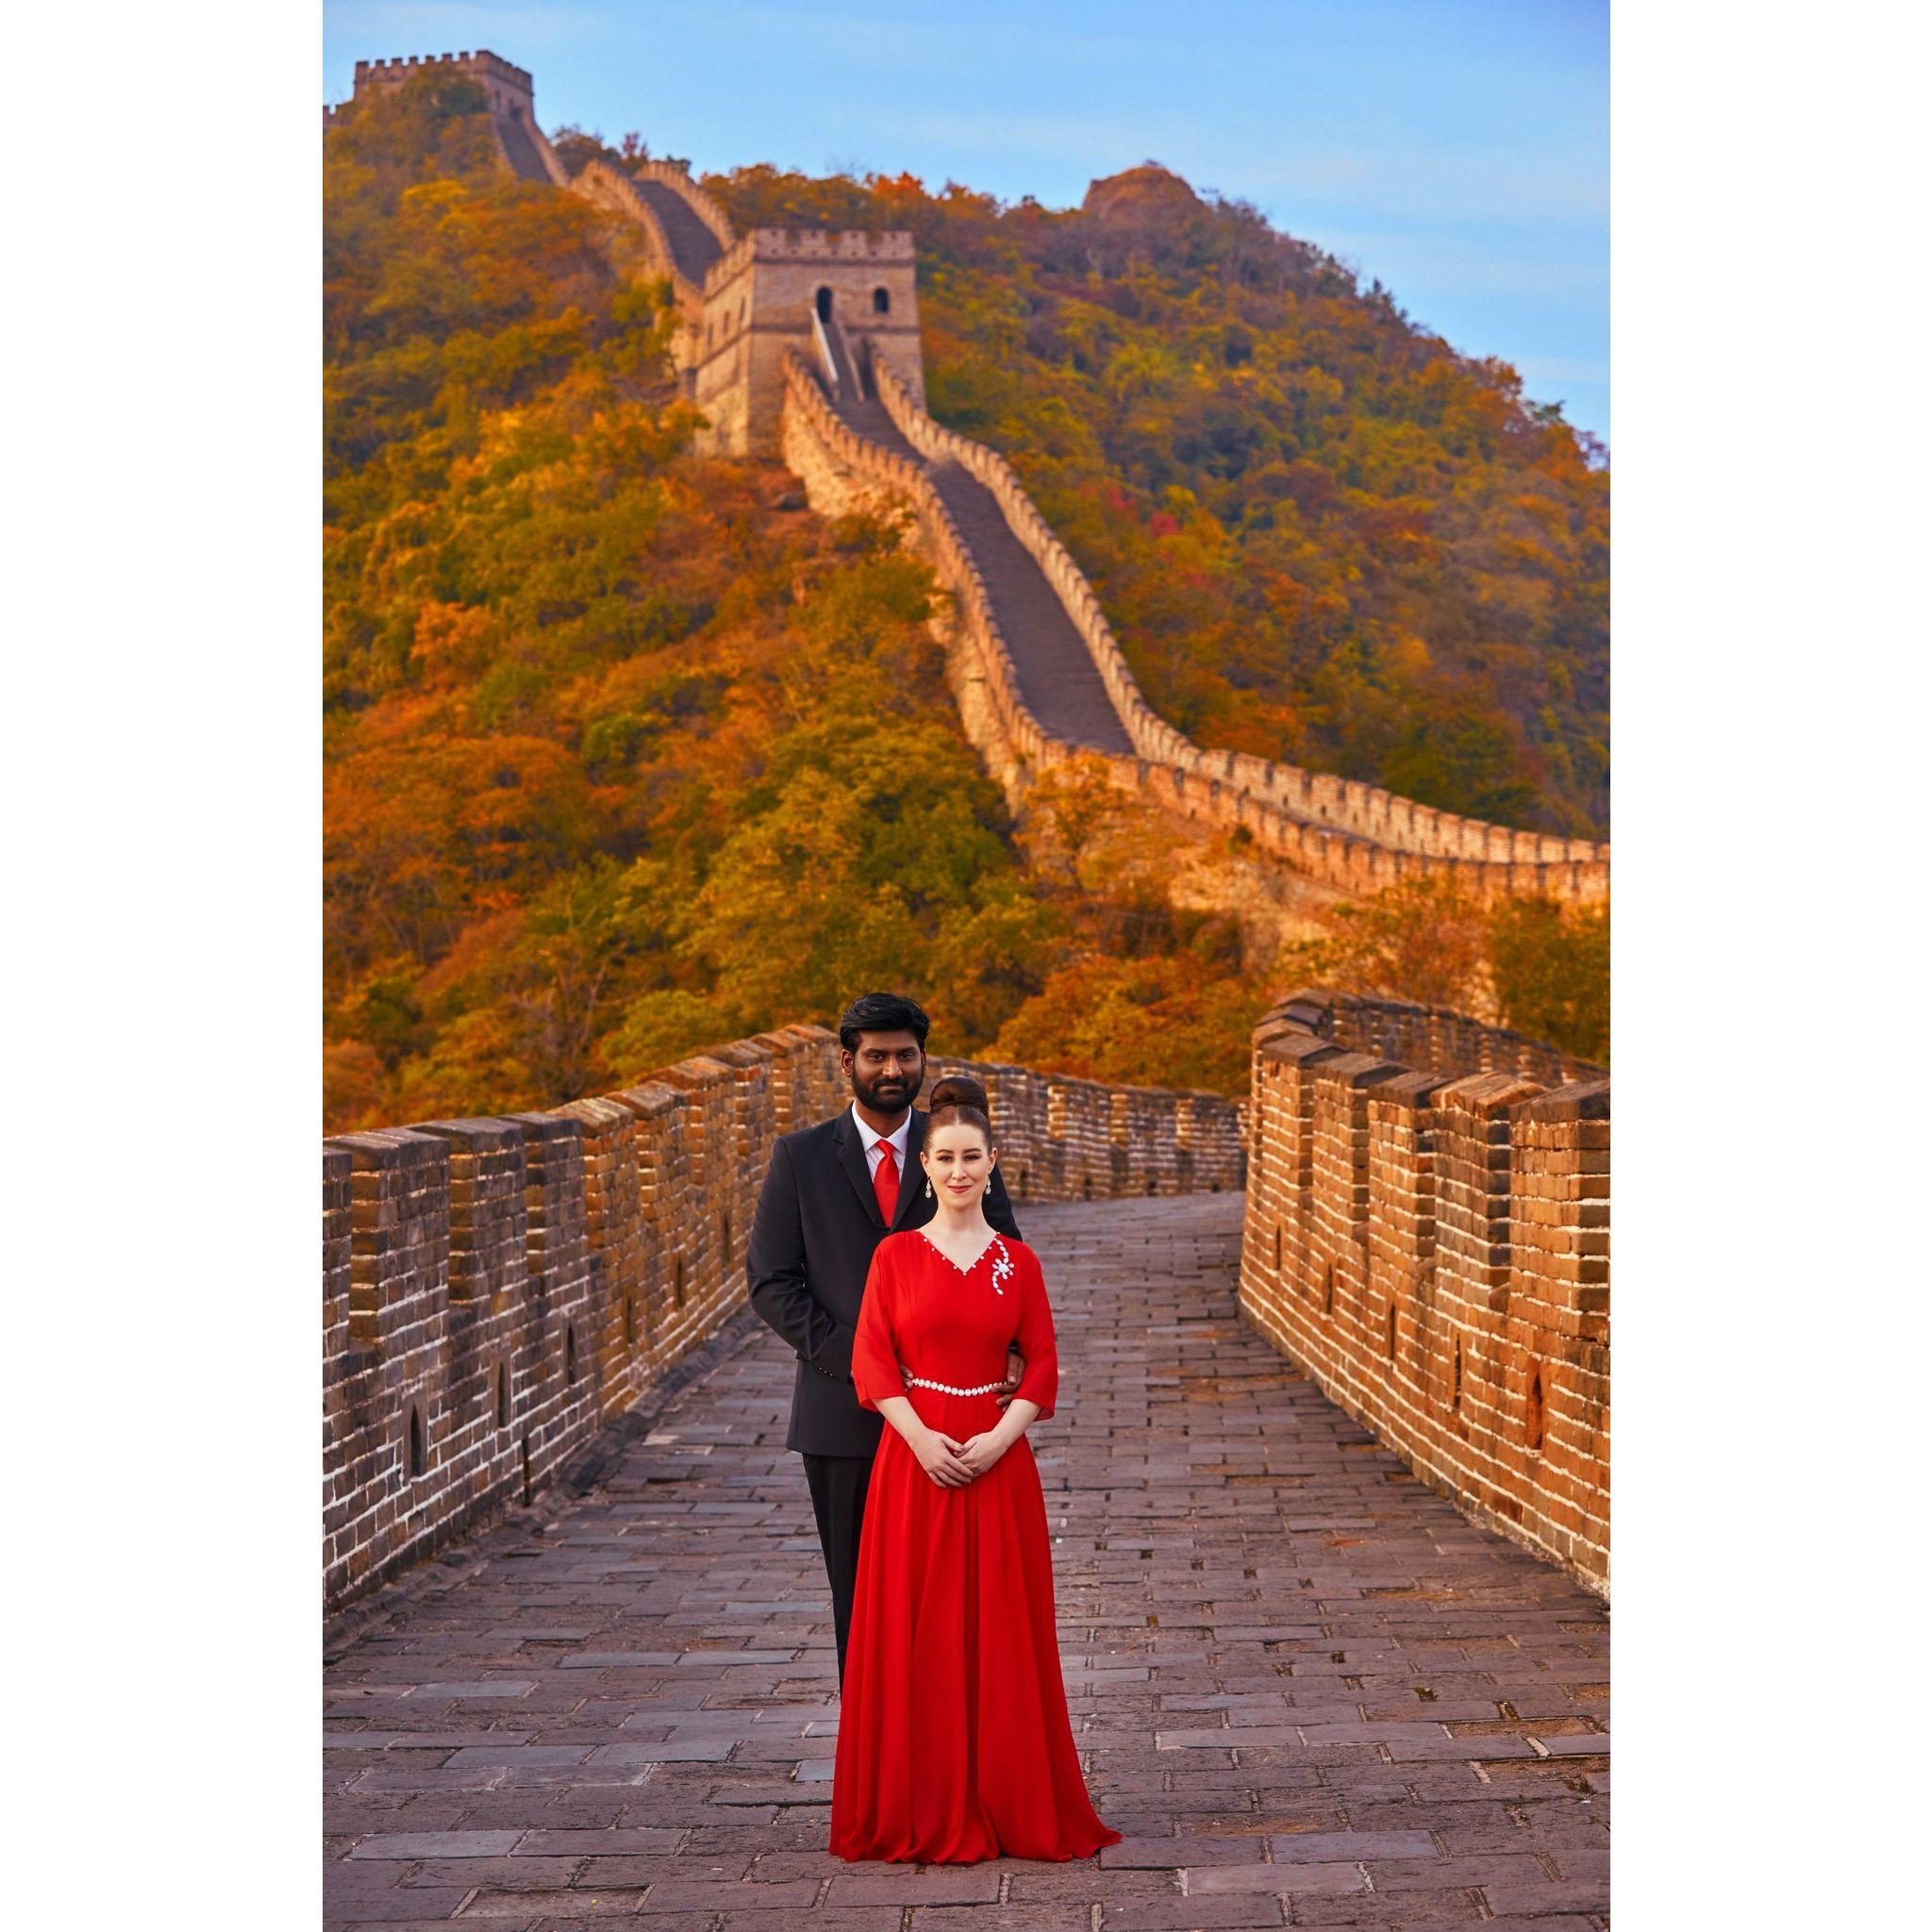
[
  {"x": 877, "y": 1379},
  {"x": 1038, "y": 1387},
  {"x": 937, "y": 1453}
]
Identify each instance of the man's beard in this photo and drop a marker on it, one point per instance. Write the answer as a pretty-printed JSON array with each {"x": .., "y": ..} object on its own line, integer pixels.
[{"x": 889, "y": 1092}]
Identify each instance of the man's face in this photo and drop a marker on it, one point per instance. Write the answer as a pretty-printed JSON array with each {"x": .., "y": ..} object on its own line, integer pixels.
[{"x": 886, "y": 1069}]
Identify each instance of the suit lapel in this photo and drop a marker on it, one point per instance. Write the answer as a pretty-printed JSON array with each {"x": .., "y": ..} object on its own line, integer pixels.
[
  {"x": 912, "y": 1180},
  {"x": 852, "y": 1158}
]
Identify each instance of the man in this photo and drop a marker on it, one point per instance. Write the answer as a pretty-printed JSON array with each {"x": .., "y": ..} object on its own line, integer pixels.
[{"x": 831, "y": 1195}]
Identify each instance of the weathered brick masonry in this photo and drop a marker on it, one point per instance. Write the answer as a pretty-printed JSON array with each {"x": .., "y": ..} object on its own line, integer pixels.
[
  {"x": 1432, "y": 1247},
  {"x": 495, "y": 1290}
]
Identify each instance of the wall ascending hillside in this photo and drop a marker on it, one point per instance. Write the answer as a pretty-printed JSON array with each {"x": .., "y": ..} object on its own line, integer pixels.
[
  {"x": 1567, "y": 866},
  {"x": 746, "y": 330},
  {"x": 1431, "y": 1245},
  {"x": 495, "y": 1290},
  {"x": 842, "y": 470}
]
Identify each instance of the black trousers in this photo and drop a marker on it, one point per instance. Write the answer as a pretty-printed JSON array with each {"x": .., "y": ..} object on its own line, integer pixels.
[{"x": 837, "y": 1486}]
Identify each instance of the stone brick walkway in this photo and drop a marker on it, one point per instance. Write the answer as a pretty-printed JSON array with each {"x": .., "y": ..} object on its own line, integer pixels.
[{"x": 1308, "y": 1690}]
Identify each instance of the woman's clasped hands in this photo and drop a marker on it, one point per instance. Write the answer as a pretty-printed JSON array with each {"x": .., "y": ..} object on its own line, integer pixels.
[{"x": 952, "y": 1464}]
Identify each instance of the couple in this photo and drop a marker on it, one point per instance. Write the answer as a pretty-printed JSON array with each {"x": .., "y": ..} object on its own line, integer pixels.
[{"x": 886, "y": 1253}]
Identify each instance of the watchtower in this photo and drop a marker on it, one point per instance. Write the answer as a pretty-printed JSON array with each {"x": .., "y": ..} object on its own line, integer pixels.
[
  {"x": 842, "y": 301},
  {"x": 511, "y": 92}
]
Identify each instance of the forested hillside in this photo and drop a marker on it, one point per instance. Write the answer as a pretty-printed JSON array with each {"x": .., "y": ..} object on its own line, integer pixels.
[
  {"x": 626, "y": 752},
  {"x": 1319, "y": 533}
]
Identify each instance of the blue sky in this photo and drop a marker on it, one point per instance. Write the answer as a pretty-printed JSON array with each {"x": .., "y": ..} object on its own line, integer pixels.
[{"x": 1458, "y": 149}]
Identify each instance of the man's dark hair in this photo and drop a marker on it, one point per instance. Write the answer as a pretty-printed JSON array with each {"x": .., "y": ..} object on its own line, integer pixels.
[{"x": 882, "y": 1013}]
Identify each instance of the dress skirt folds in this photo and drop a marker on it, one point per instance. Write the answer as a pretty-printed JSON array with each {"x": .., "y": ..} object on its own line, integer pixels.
[{"x": 954, "y": 1739}]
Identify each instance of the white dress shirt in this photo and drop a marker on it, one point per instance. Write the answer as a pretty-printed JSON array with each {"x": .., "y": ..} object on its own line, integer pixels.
[{"x": 872, "y": 1143}]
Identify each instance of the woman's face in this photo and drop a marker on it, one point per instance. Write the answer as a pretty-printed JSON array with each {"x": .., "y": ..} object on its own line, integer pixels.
[{"x": 958, "y": 1162}]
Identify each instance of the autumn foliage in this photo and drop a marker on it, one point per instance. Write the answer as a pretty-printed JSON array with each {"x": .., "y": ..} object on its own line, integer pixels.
[
  {"x": 626, "y": 753},
  {"x": 1320, "y": 533}
]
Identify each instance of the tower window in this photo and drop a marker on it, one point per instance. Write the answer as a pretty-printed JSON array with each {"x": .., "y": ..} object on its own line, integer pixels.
[
  {"x": 825, "y": 304},
  {"x": 881, "y": 302}
]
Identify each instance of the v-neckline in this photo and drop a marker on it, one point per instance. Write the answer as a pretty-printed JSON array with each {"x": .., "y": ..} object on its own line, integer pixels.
[{"x": 978, "y": 1258}]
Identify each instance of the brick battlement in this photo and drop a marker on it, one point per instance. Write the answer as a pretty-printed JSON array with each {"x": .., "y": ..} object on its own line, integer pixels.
[
  {"x": 806, "y": 244},
  {"x": 1437, "y": 1036},
  {"x": 1431, "y": 1245},
  {"x": 848, "y": 246},
  {"x": 612, "y": 188},
  {"x": 495, "y": 1290},
  {"x": 843, "y": 471},
  {"x": 1490, "y": 859},
  {"x": 392, "y": 72},
  {"x": 675, "y": 176}
]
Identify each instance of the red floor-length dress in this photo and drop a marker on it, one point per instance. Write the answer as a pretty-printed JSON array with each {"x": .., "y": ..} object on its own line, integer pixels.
[{"x": 954, "y": 1740}]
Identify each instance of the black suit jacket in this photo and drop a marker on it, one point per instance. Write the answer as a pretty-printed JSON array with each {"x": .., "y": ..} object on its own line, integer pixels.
[{"x": 810, "y": 1250}]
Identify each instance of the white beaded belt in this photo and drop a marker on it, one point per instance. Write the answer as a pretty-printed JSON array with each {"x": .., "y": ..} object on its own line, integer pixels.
[{"x": 947, "y": 1389}]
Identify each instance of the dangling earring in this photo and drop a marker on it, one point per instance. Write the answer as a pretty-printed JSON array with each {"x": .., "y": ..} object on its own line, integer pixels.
[{"x": 928, "y": 1187}]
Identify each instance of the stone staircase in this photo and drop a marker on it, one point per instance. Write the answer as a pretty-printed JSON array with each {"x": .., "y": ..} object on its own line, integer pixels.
[
  {"x": 694, "y": 247},
  {"x": 1058, "y": 677},
  {"x": 519, "y": 150}
]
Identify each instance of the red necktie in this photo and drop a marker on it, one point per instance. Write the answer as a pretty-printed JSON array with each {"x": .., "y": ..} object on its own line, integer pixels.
[{"x": 885, "y": 1182}]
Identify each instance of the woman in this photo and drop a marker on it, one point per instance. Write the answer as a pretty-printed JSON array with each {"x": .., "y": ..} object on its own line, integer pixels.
[{"x": 953, "y": 1743}]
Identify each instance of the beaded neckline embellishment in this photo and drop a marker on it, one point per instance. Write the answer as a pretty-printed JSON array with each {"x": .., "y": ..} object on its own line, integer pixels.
[
  {"x": 1002, "y": 1265},
  {"x": 1002, "y": 1261}
]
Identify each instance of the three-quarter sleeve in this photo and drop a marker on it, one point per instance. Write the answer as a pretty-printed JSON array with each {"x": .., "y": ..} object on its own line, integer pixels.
[
  {"x": 875, "y": 1351},
  {"x": 1041, "y": 1380}
]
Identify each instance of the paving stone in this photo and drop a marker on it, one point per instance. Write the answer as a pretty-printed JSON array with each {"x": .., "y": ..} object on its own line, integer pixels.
[
  {"x": 1277, "y": 1878},
  {"x": 699, "y": 1750},
  {"x": 400, "y": 1906},
  {"x": 872, "y": 1884},
  {"x": 1168, "y": 1852},
  {"x": 618, "y": 1659},
  {"x": 820, "y": 1918},
  {"x": 983, "y": 1918},
  {"x": 1191, "y": 1914},
  {"x": 597, "y": 1844},
  {"x": 479, "y": 1692},
  {"x": 499, "y": 1874},
  {"x": 436, "y": 1844},
  {"x": 1376, "y": 1913},
  {"x": 514, "y": 1753},
  {"x": 636, "y": 1717},
  {"x": 1320, "y": 1847},
  {"x": 490, "y": 1907}
]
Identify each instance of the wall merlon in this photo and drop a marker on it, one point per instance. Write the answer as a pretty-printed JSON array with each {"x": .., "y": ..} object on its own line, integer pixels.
[{"x": 1432, "y": 1249}]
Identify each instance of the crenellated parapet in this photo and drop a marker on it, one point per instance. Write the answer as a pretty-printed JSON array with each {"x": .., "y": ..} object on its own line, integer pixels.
[
  {"x": 1434, "y": 1036},
  {"x": 617, "y": 191},
  {"x": 676, "y": 176},
  {"x": 507, "y": 85},
  {"x": 1233, "y": 788},
  {"x": 844, "y": 470},
  {"x": 508, "y": 90},
  {"x": 1430, "y": 1241},
  {"x": 496, "y": 1290}
]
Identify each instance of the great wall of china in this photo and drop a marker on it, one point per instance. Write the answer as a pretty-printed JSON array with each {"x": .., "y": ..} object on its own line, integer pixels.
[
  {"x": 495, "y": 1290},
  {"x": 1426, "y": 1196}
]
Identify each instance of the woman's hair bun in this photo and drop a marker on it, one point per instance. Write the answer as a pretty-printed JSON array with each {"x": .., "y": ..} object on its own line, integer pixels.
[{"x": 959, "y": 1089}]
